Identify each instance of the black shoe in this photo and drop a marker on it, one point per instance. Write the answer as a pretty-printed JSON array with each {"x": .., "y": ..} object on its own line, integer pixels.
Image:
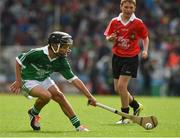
[
  {"x": 138, "y": 110},
  {"x": 34, "y": 120}
]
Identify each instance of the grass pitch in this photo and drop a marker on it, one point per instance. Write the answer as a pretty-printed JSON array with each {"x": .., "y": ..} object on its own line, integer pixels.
[{"x": 14, "y": 120}]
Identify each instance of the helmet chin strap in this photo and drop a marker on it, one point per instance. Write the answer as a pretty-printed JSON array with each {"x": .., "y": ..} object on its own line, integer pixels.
[{"x": 57, "y": 50}]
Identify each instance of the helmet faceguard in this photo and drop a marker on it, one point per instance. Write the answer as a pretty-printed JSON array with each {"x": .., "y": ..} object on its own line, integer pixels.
[{"x": 61, "y": 39}]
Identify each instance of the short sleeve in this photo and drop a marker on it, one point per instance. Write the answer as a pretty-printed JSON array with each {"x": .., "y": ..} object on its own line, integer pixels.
[
  {"x": 142, "y": 30},
  {"x": 109, "y": 29}
]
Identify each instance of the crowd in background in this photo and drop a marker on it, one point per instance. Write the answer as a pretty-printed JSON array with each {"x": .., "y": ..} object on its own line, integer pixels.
[{"x": 27, "y": 23}]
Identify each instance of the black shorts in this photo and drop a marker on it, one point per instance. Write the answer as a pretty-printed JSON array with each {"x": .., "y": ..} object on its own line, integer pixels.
[{"x": 124, "y": 66}]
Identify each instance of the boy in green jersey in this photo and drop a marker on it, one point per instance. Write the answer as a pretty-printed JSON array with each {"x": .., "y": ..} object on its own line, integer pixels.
[{"x": 33, "y": 71}]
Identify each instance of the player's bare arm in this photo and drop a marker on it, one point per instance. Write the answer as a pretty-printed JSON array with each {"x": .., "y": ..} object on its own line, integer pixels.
[
  {"x": 16, "y": 86},
  {"x": 146, "y": 45},
  {"x": 80, "y": 85}
]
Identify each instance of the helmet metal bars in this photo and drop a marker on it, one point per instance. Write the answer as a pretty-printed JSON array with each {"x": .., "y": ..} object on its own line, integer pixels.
[{"x": 61, "y": 39}]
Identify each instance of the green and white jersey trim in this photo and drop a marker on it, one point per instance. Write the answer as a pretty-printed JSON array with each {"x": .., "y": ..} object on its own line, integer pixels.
[
  {"x": 37, "y": 65},
  {"x": 70, "y": 80},
  {"x": 18, "y": 60},
  {"x": 25, "y": 55}
]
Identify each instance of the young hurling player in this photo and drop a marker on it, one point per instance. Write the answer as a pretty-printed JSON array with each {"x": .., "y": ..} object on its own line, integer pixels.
[
  {"x": 125, "y": 31},
  {"x": 33, "y": 71}
]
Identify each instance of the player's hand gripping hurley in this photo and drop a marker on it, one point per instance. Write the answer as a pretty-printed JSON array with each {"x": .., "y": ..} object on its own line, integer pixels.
[{"x": 142, "y": 121}]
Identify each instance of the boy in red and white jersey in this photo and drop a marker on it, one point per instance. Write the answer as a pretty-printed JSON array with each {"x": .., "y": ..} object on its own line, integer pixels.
[{"x": 124, "y": 32}]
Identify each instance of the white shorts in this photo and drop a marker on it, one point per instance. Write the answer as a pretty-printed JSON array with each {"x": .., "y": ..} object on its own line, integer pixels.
[{"x": 29, "y": 84}]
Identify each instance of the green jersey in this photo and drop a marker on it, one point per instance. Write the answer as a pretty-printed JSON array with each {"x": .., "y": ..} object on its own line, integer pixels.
[{"x": 36, "y": 64}]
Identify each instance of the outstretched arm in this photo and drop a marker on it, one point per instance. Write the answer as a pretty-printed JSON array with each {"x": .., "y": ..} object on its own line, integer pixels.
[
  {"x": 80, "y": 85},
  {"x": 16, "y": 86}
]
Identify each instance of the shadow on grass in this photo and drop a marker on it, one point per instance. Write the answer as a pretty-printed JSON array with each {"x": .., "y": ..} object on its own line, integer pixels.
[
  {"x": 131, "y": 126},
  {"x": 120, "y": 125},
  {"x": 39, "y": 132}
]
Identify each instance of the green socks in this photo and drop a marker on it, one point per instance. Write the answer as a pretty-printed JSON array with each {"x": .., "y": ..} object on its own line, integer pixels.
[
  {"x": 75, "y": 121},
  {"x": 35, "y": 111}
]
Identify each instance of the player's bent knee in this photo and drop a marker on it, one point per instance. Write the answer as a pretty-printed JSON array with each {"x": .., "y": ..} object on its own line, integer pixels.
[
  {"x": 59, "y": 97},
  {"x": 47, "y": 97}
]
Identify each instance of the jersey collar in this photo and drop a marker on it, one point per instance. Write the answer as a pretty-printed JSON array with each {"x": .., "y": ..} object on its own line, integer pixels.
[
  {"x": 130, "y": 19},
  {"x": 45, "y": 50}
]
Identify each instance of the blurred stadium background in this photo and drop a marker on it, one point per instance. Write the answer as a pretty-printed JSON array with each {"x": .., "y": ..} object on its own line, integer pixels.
[{"x": 26, "y": 24}]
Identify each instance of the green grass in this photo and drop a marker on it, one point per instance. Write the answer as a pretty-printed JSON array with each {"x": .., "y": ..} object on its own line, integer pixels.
[{"x": 14, "y": 120}]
